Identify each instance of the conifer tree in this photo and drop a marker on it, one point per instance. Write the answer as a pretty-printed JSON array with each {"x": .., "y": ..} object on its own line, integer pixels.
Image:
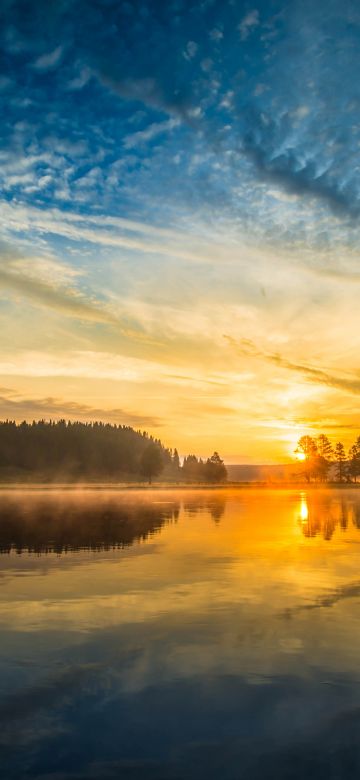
[{"x": 340, "y": 459}]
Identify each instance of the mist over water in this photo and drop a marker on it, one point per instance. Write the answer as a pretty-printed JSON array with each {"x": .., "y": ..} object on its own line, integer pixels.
[{"x": 174, "y": 635}]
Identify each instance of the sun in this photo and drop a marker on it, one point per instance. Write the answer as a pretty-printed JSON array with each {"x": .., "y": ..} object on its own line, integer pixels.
[{"x": 300, "y": 455}]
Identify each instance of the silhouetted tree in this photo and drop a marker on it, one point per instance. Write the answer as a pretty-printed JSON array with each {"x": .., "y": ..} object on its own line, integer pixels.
[
  {"x": 192, "y": 469},
  {"x": 324, "y": 447},
  {"x": 320, "y": 460},
  {"x": 307, "y": 447},
  {"x": 214, "y": 470},
  {"x": 324, "y": 457},
  {"x": 176, "y": 460},
  {"x": 340, "y": 459},
  {"x": 354, "y": 460},
  {"x": 151, "y": 462}
]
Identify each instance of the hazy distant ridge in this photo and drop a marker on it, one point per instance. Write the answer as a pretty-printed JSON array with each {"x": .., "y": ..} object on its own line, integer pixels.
[{"x": 278, "y": 473}]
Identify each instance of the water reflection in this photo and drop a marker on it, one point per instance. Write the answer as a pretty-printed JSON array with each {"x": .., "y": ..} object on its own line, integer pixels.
[
  {"x": 214, "y": 504},
  {"x": 58, "y": 523},
  {"x": 167, "y": 645},
  {"x": 321, "y": 513}
]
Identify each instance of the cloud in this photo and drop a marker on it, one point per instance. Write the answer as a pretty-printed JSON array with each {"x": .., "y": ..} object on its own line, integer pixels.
[
  {"x": 341, "y": 274},
  {"x": 248, "y": 23},
  {"x": 13, "y": 406},
  {"x": 80, "y": 81},
  {"x": 49, "y": 60},
  {"x": 348, "y": 591},
  {"x": 50, "y": 284},
  {"x": 198, "y": 408},
  {"x": 145, "y": 90},
  {"x": 191, "y": 50},
  {"x": 51, "y": 692},
  {"x": 153, "y": 131},
  {"x": 94, "y": 364},
  {"x": 300, "y": 131},
  {"x": 296, "y": 178},
  {"x": 108, "y": 231},
  {"x": 53, "y": 285},
  {"x": 216, "y": 34},
  {"x": 330, "y": 426},
  {"x": 247, "y": 348}
]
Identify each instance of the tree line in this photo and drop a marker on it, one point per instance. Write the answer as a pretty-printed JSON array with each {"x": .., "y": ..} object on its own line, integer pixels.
[
  {"x": 66, "y": 450},
  {"x": 211, "y": 470},
  {"x": 321, "y": 461}
]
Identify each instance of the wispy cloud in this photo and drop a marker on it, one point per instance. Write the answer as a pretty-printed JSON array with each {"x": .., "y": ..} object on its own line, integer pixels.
[
  {"x": 246, "y": 348},
  {"x": 149, "y": 133},
  {"x": 248, "y": 23},
  {"x": 15, "y": 406},
  {"x": 51, "y": 284},
  {"x": 330, "y": 599},
  {"x": 108, "y": 232},
  {"x": 49, "y": 60}
]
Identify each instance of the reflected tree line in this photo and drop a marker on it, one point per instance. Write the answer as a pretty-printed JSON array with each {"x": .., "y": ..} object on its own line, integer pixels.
[
  {"x": 214, "y": 506},
  {"x": 74, "y": 451},
  {"x": 57, "y": 525},
  {"x": 321, "y": 515},
  {"x": 323, "y": 462}
]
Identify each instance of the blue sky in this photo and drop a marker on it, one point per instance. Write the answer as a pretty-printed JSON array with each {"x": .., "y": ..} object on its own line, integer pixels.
[{"x": 180, "y": 197}]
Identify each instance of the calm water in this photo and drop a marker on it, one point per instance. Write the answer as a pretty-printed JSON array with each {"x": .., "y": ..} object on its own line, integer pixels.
[{"x": 180, "y": 635}]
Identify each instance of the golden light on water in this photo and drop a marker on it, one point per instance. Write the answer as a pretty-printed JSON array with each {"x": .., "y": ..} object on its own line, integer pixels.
[{"x": 304, "y": 511}]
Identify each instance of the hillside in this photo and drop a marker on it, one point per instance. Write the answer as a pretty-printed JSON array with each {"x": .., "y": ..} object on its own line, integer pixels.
[{"x": 278, "y": 473}]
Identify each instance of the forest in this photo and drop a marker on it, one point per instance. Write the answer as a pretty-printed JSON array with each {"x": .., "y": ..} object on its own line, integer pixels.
[
  {"x": 322, "y": 462},
  {"x": 74, "y": 451}
]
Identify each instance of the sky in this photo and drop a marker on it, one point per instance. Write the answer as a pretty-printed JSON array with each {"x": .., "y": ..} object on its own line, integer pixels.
[{"x": 179, "y": 217}]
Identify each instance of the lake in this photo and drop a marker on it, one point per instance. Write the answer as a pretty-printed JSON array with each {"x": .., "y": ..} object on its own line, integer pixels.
[{"x": 172, "y": 635}]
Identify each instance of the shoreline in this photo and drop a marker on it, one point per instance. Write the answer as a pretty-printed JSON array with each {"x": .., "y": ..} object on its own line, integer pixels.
[{"x": 128, "y": 486}]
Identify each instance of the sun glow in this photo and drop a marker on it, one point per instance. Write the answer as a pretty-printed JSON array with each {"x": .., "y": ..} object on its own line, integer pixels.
[
  {"x": 300, "y": 456},
  {"x": 304, "y": 512}
]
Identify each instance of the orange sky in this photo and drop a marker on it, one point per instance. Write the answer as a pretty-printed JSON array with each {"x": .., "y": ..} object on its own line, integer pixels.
[{"x": 245, "y": 365}]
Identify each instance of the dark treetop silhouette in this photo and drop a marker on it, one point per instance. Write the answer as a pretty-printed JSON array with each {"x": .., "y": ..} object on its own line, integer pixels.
[
  {"x": 72, "y": 451},
  {"x": 322, "y": 462}
]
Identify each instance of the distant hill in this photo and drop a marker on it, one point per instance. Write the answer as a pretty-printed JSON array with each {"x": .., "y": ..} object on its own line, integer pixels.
[{"x": 282, "y": 473}]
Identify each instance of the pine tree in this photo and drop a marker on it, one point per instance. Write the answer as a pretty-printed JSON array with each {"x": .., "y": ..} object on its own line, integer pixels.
[
  {"x": 340, "y": 459},
  {"x": 151, "y": 462},
  {"x": 324, "y": 447},
  {"x": 215, "y": 470},
  {"x": 354, "y": 460},
  {"x": 324, "y": 457}
]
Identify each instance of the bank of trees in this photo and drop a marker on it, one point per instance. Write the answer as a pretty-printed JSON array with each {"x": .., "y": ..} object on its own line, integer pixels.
[
  {"x": 95, "y": 451},
  {"x": 321, "y": 461},
  {"x": 211, "y": 470},
  {"x": 75, "y": 450}
]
